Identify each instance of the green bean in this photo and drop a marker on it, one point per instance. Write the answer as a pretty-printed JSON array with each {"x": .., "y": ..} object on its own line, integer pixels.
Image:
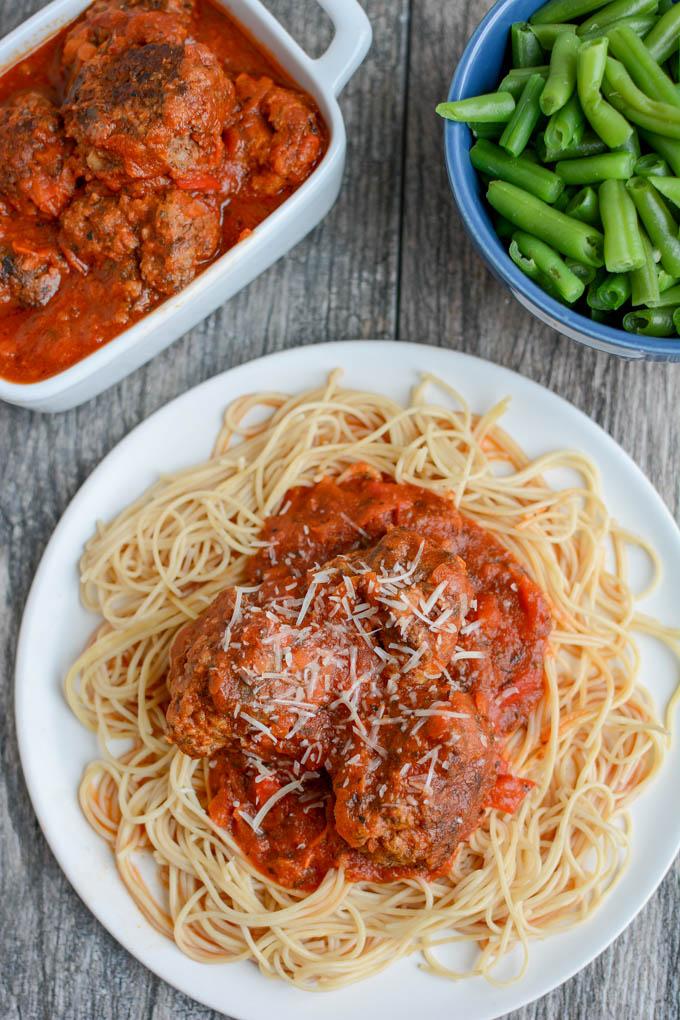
[
  {"x": 521, "y": 171},
  {"x": 667, "y": 148},
  {"x": 652, "y": 165},
  {"x": 614, "y": 291},
  {"x": 489, "y": 108},
  {"x": 584, "y": 206},
  {"x": 623, "y": 249},
  {"x": 527, "y": 266},
  {"x": 530, "y": 269},
  {"x": 593, "y": 299},
  {"x": 590, "y": 145},
  {"x": 547, "y": 34},
  {"x": 563, "y": 10},
  {"x": 526, "y": 49},
  {"x": 567, "y": 284},
  {"x": 664, "y": 5},
  {"x": 615, "y": 166},
  {"x": 494, "y": 129},
  {"x": 528, "y": 213},
  {"x": 665, "y": 280},
  {"x": 615, "y": 11},
  {"x": 669, "y": 188},
  {"x": 670, "y": 296},
  {"x": 658, "y": 222},
  {"x": 632, "y": 144},
  {"x": 642, "y": 67},
  {"x": 662, "y": 41},
  {"x": 585, "y": 273},
  {"x": 644, "y": 282},
  {"x": 612, "y": 128},
  {"x": 562, "y": 75},
  {"x": 520, "y": 127},
  {"x": 522, "y": 74},
  {"x": 516, "y": 79},
  {"x": 640, "y": 24},
  {"x": 676, "y": 322},
  {"x": 627, "y": 98},
  {"x": 566, "y": 126},
  {"x": 650, "y": 322}
]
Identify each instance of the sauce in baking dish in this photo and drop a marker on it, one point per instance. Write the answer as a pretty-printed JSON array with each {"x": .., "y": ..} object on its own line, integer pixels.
[{"x": 136, "y": 147}]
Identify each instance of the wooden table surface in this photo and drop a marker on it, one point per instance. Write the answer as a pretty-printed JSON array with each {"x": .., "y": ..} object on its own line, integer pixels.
[{"x": 391, "y": 261}]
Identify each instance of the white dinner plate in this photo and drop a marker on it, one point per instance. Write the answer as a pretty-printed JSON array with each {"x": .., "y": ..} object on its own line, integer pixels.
[{"x": 55, "y": 747}]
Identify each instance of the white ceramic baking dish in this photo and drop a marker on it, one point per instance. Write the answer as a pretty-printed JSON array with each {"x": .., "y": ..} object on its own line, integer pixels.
[{"x": 324, "y": 79}]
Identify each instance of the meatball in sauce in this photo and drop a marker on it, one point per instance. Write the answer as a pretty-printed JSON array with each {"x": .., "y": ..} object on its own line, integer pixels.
[
  {"x": 140, "y": 112},
  {"x": 355, "y": 692},
  {"x": 37, "y": 164}
]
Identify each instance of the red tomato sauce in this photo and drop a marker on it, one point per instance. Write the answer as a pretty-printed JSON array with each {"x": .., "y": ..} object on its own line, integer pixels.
[
  {"x": 90, "y": 310},
  {"x": 510, "y": 622}
]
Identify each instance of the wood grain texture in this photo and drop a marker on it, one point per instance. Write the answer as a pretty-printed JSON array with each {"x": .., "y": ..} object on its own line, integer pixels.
[{"x": 391, "y": 260}]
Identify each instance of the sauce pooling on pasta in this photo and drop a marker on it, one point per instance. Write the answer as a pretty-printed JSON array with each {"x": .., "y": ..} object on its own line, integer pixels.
[{"x": 353, "y": 695}]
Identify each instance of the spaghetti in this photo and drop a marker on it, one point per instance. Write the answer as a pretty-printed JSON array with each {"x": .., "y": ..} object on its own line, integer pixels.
[{"x": 589, "y": 746}]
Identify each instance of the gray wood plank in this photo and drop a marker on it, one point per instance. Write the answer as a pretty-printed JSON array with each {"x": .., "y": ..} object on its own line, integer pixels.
[{"x": 448, "y": 297}]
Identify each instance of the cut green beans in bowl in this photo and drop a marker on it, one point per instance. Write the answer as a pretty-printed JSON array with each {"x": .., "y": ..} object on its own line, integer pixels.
[{"x": 578, "y": 153}]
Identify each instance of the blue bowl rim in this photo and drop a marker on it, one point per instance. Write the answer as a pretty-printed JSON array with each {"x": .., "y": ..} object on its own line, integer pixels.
[{"x": 457, "y": 138}]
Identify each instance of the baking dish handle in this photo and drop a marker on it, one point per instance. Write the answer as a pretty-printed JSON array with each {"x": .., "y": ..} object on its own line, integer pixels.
[{"x": 350, "y": 43}]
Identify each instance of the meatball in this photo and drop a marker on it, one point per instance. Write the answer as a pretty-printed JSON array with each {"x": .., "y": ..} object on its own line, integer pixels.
[
  {"x": 235, "y": 652},
  {"x": 428, "y": 790},
  {"x": 513, "y": 616},
  {"x": 37, "y": 173},
  {"x": 228, "y": 687},
  {"x": 170, "y": 234},
  {"x": 31, "y": 279},
  {"x": 154, "y": 110},
  {"x": 138, "y": 21},
  {"x": 99, "y": 225},
  {"x": 181, "y": 233},
  {"x": 277, "y": 137},
  {"x": 297, "y": 139}
]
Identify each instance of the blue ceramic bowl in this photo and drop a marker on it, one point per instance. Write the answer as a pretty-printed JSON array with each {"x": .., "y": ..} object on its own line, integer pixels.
[{"x": 479, "y": 70}]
